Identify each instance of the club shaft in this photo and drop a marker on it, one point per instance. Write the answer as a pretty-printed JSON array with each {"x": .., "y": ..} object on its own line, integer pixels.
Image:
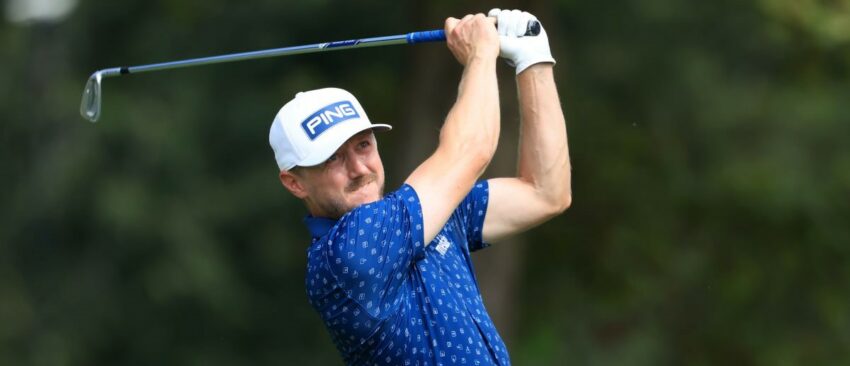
[{"x": 410, "y": 38}]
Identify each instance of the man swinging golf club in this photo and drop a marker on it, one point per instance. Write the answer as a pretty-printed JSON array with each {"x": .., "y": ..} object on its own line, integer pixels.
[{"x": 391, "y": 276}]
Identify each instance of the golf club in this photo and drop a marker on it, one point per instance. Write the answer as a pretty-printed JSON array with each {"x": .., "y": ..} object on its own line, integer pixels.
[{"x": 92, "y": 95}]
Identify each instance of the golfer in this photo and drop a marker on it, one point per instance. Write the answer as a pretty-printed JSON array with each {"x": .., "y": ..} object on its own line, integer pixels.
[{"x": 391, "y": 275}]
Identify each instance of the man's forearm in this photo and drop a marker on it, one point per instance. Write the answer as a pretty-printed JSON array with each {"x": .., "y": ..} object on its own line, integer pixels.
[
  {"x": 473, "y": 121},
  {"x": 544, "y": 159},
  {"x": 471, "y": 130}
]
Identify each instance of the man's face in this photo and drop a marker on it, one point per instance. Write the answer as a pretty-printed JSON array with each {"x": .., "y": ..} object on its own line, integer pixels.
[{"x": 352, "y": 176}]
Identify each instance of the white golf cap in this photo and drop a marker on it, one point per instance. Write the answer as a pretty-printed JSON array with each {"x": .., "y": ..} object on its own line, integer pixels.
[{"x": 312, "y": 126}]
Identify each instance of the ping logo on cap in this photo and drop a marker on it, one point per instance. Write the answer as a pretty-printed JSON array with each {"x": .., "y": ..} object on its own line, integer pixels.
[{"x": 327, "y": 117}]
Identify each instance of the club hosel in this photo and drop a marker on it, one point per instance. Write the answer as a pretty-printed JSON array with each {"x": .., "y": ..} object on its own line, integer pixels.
[{"x": 112, "y": 71}]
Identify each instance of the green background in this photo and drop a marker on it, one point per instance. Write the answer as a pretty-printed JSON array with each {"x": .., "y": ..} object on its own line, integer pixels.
[{"x": 711, "y": 181}]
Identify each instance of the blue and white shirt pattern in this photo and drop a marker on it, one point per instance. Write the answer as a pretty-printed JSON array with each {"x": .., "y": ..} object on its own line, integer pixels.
[{"x": 388, "y": 299}]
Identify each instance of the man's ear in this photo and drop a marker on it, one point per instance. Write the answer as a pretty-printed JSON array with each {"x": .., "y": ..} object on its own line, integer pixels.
[{"x": 293, "y": 184}]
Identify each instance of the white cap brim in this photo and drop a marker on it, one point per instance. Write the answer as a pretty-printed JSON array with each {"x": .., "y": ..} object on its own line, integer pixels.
[{"x": 335, "y": 140}]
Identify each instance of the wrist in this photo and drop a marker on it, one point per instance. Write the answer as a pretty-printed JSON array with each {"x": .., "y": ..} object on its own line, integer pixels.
[
  {"x": 536, "y": 70},
  {"x": 540, "y": 62},
  {"x": 479, "y": 59}
]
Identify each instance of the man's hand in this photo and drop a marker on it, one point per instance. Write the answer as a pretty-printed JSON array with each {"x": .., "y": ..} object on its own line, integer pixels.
[
  {"x": 517, "y": 50},
  {"x": 472, "y": 37}
]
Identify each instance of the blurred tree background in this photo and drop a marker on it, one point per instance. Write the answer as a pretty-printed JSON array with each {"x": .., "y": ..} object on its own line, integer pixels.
[{"x": 711, "y": 215}]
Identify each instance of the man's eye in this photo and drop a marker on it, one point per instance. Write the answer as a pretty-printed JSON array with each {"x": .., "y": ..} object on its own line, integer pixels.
[
  {"x": 364, "y": 144},
  {"x": 331, "y": 159}
]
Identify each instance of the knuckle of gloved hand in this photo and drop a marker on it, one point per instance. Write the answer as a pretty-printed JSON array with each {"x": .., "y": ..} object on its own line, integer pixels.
[
  {"x": 517, "y": 26},
  {"x": 503, "y": 22}
]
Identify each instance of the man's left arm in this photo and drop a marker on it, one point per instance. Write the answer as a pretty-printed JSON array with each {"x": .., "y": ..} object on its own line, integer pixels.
[{"x": 541, "y": 189}]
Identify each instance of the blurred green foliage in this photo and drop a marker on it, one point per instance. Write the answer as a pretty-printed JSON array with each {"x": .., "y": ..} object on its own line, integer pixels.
[{"x": 711, "y": 215}]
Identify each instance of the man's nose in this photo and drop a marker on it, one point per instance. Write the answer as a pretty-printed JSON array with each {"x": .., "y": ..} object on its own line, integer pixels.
[{"x": 357, "y": 166}]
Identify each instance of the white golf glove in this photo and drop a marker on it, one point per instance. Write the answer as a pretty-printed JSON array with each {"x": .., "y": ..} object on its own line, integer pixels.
[{"x": 517, "y": 49}]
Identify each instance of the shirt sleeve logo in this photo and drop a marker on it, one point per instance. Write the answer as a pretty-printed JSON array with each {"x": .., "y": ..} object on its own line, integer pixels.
[{"x": 327, "y": 117}]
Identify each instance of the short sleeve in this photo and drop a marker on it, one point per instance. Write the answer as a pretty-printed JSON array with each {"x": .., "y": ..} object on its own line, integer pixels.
[
  {"x": 472, "y": 211},
  {"x": 372, "y": 249}
]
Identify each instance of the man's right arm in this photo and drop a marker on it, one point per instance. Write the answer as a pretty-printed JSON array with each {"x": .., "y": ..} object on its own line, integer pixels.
[{"x": 471, "y": 131}]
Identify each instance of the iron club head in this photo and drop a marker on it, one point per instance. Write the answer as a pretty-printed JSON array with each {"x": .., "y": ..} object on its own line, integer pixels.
[{"x": 90, "y": 105}]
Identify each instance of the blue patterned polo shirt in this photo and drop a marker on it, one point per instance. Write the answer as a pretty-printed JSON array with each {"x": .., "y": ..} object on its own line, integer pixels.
[{"x": 387, "y": 299}]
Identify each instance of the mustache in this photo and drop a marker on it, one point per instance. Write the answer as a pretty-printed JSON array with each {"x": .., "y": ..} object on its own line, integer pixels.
[{"x": 360, "y": 182}]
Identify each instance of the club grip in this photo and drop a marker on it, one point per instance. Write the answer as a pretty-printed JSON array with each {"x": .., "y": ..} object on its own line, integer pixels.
[
  {"x": 426, "y": 36},
  {"x": 532, "y": 29}
]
